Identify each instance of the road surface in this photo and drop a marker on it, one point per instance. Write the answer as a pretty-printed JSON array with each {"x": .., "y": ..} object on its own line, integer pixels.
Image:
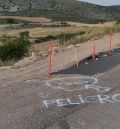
[{"x": 70, "y": 99}]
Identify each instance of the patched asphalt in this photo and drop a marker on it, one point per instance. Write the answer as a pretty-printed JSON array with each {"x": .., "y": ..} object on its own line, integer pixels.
[{"x": 102, "y": 63}]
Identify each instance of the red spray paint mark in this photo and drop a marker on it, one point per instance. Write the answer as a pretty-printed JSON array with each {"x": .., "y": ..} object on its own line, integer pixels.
[
  {"x": 50, "y": 60},
  {"x": 94, "y": 51},
  {"x": 110, "y": 45}
]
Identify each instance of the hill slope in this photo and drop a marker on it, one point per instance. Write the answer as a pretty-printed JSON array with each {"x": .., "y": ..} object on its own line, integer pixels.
[
  {"x": 72, "y": 10},
  {"x": 115, "y": 7}
]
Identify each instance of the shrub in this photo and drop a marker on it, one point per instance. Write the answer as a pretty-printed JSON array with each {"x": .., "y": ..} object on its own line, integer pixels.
[
  {"x": 63, "y": 37},
  {"x": 118, "y": 20},
  {"x": 10, "y": 20},
  {"x": 24, "y": 34},
  {"x": 13, "y": 48},
  {"x": 45, "y": 39}
]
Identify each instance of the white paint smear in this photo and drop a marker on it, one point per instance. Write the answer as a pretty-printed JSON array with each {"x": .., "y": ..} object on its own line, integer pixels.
[
  {"x": 76, "y": 83},
  {"x": 99, "y": 99}
]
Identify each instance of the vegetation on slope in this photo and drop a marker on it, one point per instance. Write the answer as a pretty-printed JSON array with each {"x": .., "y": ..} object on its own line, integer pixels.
[
  {"x": 70, "y": 10},
  {"x": 14, "y": 48},
  {"x": 11, "y": 21},
  {"x": 118, "y": 21}
]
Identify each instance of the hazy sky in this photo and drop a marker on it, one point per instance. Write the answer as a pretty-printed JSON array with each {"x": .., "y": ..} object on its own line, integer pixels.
[{"x": 104, "y": 2}]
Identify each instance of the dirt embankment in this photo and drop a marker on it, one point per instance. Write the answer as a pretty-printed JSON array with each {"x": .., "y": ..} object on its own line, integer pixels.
[{"x": 36, "y": 66}]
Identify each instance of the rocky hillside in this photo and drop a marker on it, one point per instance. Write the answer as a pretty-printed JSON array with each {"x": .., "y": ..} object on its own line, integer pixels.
[
  {"x": 117, "y": 7},
  {"x": 72, "y": 10}
]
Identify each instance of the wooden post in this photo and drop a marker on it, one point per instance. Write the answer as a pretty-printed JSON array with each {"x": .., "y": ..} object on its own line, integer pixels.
[
  {"x": 50, "y": 59},
  {"x": 76, "y": 56},
  {"x": 110, "y": 45},
  {"x": 94, "y": 52}
]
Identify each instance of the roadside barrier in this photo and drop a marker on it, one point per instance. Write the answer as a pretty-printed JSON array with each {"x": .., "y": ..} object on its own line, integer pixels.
[{"x": 76, "y": 55}]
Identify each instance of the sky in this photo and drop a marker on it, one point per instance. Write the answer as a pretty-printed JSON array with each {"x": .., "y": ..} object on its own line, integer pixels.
[{"x": 104, "y": 2}]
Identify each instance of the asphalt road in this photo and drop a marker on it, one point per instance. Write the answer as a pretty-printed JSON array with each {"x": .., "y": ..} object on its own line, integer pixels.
[
  {"x": 73, "y": 100},
  {"x": 103, "y": 63}
]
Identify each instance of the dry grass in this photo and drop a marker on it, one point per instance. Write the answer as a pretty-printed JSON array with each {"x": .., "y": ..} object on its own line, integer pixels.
[
  {"x": 93, "y": 31},
  {"x": 106, "y": 24},
  {"x": 32, "y": 19},
  {"x": 43, "y": 46},
  {"x": 36, "y": 32}
]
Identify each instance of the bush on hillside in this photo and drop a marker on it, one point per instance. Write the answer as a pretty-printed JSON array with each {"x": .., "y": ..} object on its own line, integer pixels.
[
  {"x": 10, "y": 21},
  {"x": 118, "y": 20},
  {"x": 63, "y": 37},
  {"x": 45, "y": 39},
  {"x": 13, "y": 48},
  {"x": 24, "y": 34}
]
